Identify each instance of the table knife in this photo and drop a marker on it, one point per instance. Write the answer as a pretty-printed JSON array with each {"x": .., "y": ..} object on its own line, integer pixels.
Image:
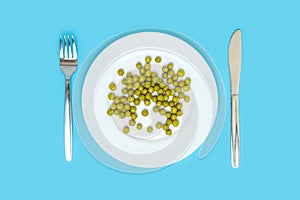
[{"x": 235, "y": 60}]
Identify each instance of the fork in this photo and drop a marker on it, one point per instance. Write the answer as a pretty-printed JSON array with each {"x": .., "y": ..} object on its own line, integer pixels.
[{"x": 68, "y": 64}]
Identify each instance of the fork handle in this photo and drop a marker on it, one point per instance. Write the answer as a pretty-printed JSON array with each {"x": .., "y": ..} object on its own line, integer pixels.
[
  {"x": 68, "y": 124},
  {"x": 235, "y": 131}
]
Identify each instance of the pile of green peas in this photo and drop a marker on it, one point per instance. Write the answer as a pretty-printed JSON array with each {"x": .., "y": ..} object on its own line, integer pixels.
[{"x": 167, "y": 91}]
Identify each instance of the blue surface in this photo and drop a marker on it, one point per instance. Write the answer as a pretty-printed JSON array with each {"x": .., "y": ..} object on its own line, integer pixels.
[{"x": 32, "y": 162}]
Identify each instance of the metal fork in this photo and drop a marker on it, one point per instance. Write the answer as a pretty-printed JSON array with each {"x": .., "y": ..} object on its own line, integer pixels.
[{"x": 68, "y": 64}]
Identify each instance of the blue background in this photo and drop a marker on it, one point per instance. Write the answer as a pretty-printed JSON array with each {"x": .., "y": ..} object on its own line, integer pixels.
[{"x": 32, "y": 164}]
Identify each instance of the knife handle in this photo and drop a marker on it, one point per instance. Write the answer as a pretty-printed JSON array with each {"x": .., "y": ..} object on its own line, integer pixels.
[{"x": 235, "y": 131}]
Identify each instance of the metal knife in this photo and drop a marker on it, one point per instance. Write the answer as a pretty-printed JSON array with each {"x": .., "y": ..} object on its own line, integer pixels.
[{"x": 235, "y": 61}]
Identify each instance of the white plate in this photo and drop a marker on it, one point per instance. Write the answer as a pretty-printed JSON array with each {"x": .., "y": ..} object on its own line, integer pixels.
[
  {"x": 157, "y": 151},
  {"x": 203, "y": 116}
]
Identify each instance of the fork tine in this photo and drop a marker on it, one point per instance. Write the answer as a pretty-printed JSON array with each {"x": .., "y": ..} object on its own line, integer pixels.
[
  {"x": 69, "y": 48},
  {"x": 74, "y": 48},
  {"x": 65, "y": 48},
  {"x": 61, "y": 51}
]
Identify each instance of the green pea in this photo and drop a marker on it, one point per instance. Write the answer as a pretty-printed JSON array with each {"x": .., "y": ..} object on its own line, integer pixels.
[
  {"x": 136, "y": 85},
  {"x": 168, "y": 115},
  {"x": 158, "y": 59},
  {"x": 149, "y": 129},
  {"x": 142, "y": 70},
  {"x": 173, "y": 117},
  {"x": 155, "y": 79},
  {"x": 165, "y": 104},
  {"x": 169, "y": 132},
  {"x": 171, "y": 103},
  {"x": 147, "y": 73},
  {"x": 121, "y": 72},
  {"x": 148, "y": 96},
  {"x": 135, "y": 78},
  {"x": 175, "y": 99},
  {"x": 124, "y": 81},
  {"x": 179, "y": 113},
  {"x": 127, "y": 113},
  {"x": 122, "y": 115},
  {"x": 124, "y": 91},
  {"x": 133, "y": 116},
  {"x": 165, "y": 127},
  {"x": 160, "y": 97},
  {"x": 138, "y": 65},
  {"x": 186, "y": 88},
  {"x": 119, "y": 106},
  {"x": 126, "y": 129},
  {"x": 149, "y": 79},
  {"x": 160, "y": 91},
  {"x": 139, "y": 126},
  {"x": 137, "y": 92},
  {"x": 180, "y": 72},
  {"x": 172, "y": 92},
  {"x": 145, "y": 112},
  {"x": 166, "y": 98},
  {"x": 112, "y": 86},
  {"x": 187, "y": 81},
  {"x": 165, "y": 75},
  {"x": 144, "y": 91},
  {"x": 141, "y": 97},
  {"x": 171, "y": 72},
  {"x": 170, "y": 65},
  {"x": 130, "y": 92},
  {"x": 179, "y": 106},
  {"x": 142, "y": 78},
  {"x": 147, "y": 102},
  {"x": 140, "y": 88},
  {"x": 168, "y": 121},
  {"x": 175, "y": 123},
  {"x": 175, "y": 77},
  {"x": 165, "y": 69},
  {"x": 133, "y": 109},
  {"x": 169, "y": 81},
  {"x": 113, "y": 106},
  {"x": 175, "y": 83},
  {"x": 116, "y": 112},
  {"x": 154, "y": 98},
  {"x": 110, "y": 112},
  {"x": 116, "y": 100},
  {"x": 151, "y": 89},
  {"x": 111, "y": 96},
  {"x": 155, "y": 109},
  {"x": 159, "y": 125},
  {"x": 154, "y": 74},
  {"x": 123, "y": 99},
  {"x": 132, "y": 122},
  {"x": 147, "y": 66},
  {"x": 178, "y": 89},
  {"x": 181, "y": 83},
  {"x": 148, "y": 59},
  {"x": 158, "y": 103},
  {"x": 129, "y": 74},
  {"x": 181, "y": 95},
  {"x": 174, "y": 110},
  {"x": 186, "y": 98},
  {"x": 162, "y": 111},
  {"x": 131, "y": 99},
  {"x": 147, "y": 85},
  {"x": 129, "y": 80},
  {"x": 129, "y": 86},
  {"x": 127, "y": 107}
]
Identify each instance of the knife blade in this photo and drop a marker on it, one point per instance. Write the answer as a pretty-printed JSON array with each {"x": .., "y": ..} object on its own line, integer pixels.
[{"x": 235, "y": 61}]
